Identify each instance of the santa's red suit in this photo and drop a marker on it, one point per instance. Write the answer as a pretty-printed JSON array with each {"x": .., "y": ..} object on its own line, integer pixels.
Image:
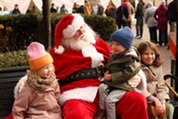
[{"x": 79, "y": 98}]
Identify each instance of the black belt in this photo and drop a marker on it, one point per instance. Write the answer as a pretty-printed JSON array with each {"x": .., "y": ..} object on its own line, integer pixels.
[{"x": 83, "y": 74}]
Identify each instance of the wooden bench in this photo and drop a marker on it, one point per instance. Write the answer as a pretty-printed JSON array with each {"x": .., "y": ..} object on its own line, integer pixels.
[{"x": 8, "y": 79}]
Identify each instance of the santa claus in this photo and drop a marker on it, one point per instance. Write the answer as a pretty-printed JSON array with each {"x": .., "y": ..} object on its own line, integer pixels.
[{"x": 79, "y": 58}]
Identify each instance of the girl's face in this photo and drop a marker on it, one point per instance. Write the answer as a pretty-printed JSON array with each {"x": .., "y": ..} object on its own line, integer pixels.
[
  {"x": 46, "y": 71},
  {"x": 148, "y": 56},
  {"x": 117, "y": 47}
]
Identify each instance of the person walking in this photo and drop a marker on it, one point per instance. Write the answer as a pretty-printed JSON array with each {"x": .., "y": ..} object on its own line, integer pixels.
[
  {"x": 151, "y": 21},
  {"x": 16, "y": 9},
  {"x": 122, "y": 14},
  {"x": 131, "y": 11},
  {"x": 172, "y": 7},
  {"x": 111, "y": 12},
  {"x": 100, "y": 8},
  {"x": 63, "y": 9},
  {"x": 87, "y": 8},
  {"x": 53, "y": 9},
  {"x": 161, "y": 15},
  {"x": 139, "y": 15}
]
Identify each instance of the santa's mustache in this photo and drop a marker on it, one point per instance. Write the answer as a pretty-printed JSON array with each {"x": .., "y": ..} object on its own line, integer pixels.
[{"x": 82, "y": 37}]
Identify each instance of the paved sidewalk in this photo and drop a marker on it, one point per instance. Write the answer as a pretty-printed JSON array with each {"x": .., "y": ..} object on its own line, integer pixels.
[{"x": 165, "y": 52}]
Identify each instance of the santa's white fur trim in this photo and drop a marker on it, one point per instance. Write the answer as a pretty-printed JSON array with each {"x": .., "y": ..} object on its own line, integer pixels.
[
  {"x": 71, "y": 29},
  {"x": 96, "y": 57},
  {"x": 59, "y": 50},
  {"x": 86, "y": 94},
  {"x": 19, "y": 85}
]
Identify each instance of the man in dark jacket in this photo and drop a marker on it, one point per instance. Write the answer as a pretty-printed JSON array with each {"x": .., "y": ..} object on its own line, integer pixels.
[
  {"x": 172, "y": 7},
  {"x": 122, "y": 12},
  {"x": 100, "y": 9},
  {"x": 52, "y": 9},
  {"x": 172, "y": 11},
  {"x": 139, "y": 14},
  {"x": 16, "y": 9}
]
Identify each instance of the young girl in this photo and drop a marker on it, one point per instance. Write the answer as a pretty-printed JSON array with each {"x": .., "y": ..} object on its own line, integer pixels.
[
  {"x": 152, "y": 67},
  {"x": 37, "y": 99}
]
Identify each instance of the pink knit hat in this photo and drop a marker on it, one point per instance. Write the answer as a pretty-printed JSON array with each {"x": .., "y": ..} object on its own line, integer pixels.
[
  {"x": 66, "y": 28},
  {"x": 38, "y": 57}
]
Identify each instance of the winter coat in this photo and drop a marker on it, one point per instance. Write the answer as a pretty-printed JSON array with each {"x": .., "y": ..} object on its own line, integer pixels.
[
  {"x": 16, "y": 11},
  {"x": 131, "y": 10},
  {"x": 161, "y": 15},
  {"x": 100, "y": 10},
  {"x": 71, "y": 61},
  {"x": 122, "y": 10},
  {"x": 155, "y": 82},
  {"x": 172, "y": 7},
  {"x": 149, "y": 15},
  {"x": 140, "y": 10},
  {"x": 63, "y": 10},
  {"x": 36, "y": 104},
  {"x": 87, "y": 8},
  {"x": 122, "y": 68},
  {"x": 111, "y": 12}
]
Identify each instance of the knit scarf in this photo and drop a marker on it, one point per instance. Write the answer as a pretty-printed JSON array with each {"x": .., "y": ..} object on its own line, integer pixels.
[{"x": 39, "y": 83}]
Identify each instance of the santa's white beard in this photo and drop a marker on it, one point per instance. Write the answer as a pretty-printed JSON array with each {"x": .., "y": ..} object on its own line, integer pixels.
[{"x": 83, "y": 41}]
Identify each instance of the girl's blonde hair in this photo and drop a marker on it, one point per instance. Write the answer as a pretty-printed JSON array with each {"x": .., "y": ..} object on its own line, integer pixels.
[
  {"x": 147, "y": 44},
  {"x": 35, "y": 73}
]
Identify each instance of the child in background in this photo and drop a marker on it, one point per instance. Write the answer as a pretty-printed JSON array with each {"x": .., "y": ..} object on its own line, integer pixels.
[
  {"x": 123, "y": 73},
  {"x": 38, "y": 97},
  {"x": 152, "y": 67}
]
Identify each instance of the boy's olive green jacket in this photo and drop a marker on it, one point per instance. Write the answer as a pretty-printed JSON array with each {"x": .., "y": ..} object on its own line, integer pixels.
[{"x": 123, "y": 67}]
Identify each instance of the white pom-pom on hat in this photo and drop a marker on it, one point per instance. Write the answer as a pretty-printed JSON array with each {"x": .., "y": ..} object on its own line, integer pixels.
[{"x": 59, "y": 50}]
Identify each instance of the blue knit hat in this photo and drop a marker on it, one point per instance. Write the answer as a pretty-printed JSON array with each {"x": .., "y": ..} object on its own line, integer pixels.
[{"x": 123, "y": 36}]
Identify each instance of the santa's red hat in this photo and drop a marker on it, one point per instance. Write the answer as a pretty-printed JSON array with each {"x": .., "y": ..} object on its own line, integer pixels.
[{"x": 66, "y": 28}]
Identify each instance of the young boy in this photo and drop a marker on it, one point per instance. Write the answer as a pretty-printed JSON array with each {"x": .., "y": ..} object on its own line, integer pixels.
[{"x": 123, "y": 73}]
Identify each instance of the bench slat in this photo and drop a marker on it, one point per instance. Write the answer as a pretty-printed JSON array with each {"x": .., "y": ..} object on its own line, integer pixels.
[
  {"x": 11, "y": 79},
  {"x": 8, "y": 80},
  {"x": 12, "y": 74}
]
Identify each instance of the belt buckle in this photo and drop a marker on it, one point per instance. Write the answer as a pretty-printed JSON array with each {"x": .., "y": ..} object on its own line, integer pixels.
[{"x": 100, "y": 70}]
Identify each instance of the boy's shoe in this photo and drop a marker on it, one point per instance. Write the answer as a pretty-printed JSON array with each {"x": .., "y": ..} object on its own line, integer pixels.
[
  {"x": 100, "y": 114},
  {"x": 138, "y": 37}
]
